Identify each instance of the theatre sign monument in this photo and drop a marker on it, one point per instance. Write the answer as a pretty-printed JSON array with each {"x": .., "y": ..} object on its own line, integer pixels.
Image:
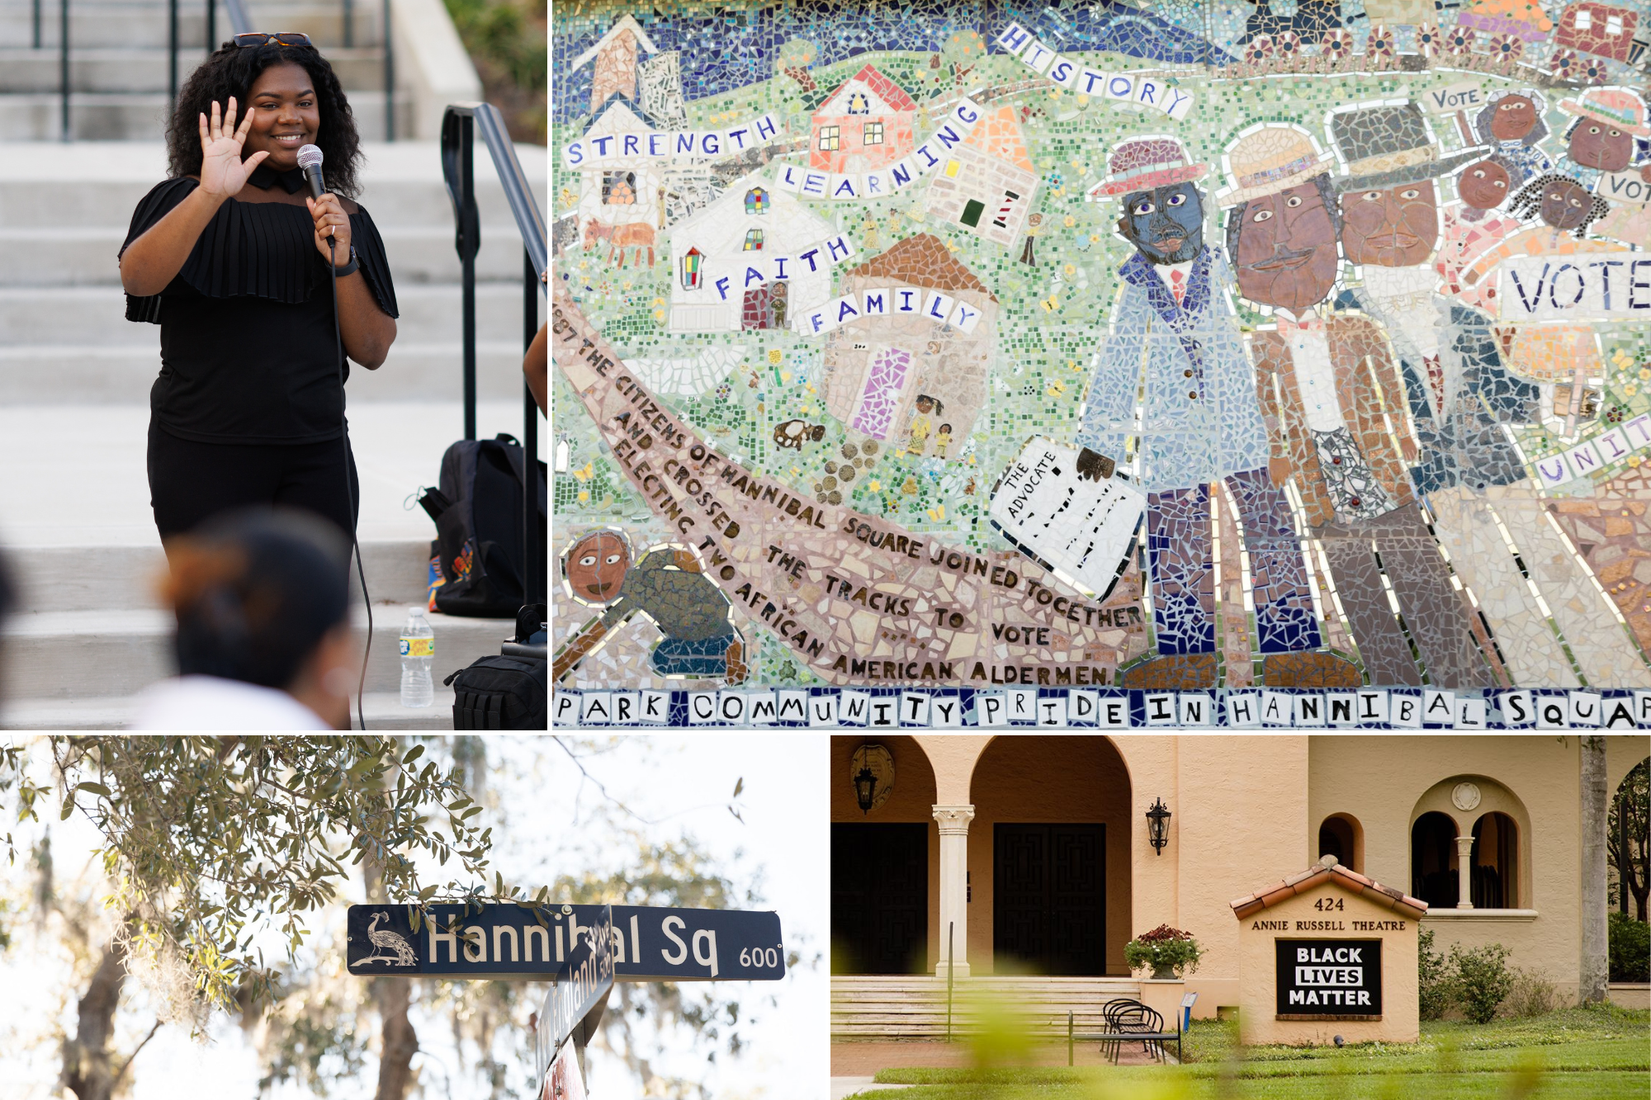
[
  {"x": 581, "y": 950},
  {"x": 1328, "y": 953}
]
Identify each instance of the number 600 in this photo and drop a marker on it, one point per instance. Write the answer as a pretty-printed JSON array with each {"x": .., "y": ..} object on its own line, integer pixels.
[{"x": 759, "y": 956}]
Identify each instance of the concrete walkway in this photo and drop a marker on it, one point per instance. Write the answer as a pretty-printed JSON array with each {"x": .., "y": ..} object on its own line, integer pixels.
[{"x": 843, "y": 1087}]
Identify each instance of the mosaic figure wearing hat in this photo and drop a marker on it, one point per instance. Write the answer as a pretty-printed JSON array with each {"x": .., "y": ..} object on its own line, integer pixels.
[
  {"x": 1324, "y": 383},
  {"x": 1602, "y": 137},
  {"x": 1459, "y": 396},
  {"x": 668, "y": 586},
  {"x": 1174, "y": 337},
  {"x": 1512, "y": 125}
]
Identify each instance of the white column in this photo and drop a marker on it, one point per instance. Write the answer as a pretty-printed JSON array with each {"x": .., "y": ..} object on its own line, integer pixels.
[
  {"x": 1464, "y": 872},
  {"x": 954, "y": 892}
]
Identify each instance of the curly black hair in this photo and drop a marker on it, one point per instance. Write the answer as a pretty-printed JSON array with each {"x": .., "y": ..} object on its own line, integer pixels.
[
  {"x": 231, "y": 71},
  {"x": 1528, "y": 202}
]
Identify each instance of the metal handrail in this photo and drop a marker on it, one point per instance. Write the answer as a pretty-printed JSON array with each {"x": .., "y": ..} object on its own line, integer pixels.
[{"x": 458, "y": 135}]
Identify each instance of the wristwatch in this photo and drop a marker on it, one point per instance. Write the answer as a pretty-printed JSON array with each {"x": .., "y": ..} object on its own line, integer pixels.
[{"x": 349, "y": 268}]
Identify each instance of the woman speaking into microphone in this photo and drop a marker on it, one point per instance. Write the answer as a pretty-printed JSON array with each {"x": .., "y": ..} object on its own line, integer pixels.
[{"x": 230, "y": 257}]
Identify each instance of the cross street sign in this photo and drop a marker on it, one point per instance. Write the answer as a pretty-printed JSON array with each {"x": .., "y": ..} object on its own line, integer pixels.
[
  {"x": 578, "y": 992},
  {"x": 507, "y": 942}
]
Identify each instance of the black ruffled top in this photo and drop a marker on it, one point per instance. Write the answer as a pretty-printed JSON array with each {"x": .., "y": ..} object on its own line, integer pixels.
[{"x": 248, "y": 353}]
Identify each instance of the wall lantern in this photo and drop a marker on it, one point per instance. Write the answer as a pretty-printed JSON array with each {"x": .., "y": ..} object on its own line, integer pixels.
[
  {"x": 872, "y": 771},
  {"x": 1158, "y": 825}
]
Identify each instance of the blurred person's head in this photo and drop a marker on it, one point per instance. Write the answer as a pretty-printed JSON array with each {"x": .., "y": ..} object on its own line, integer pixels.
[{"x": 262, "y": 596}]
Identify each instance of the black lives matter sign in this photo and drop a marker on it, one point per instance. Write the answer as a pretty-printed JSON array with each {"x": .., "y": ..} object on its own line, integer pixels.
[{"x": 1329, "y": 977}]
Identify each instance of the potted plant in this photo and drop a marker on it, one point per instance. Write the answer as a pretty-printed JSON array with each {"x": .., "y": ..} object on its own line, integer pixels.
[{"x": 1169, "y": 952}]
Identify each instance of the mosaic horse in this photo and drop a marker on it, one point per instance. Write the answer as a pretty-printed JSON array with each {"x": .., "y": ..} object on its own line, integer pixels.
[{"x": 636, "y": 235}]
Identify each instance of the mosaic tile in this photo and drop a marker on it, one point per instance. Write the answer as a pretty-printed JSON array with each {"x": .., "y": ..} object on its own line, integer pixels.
[{"x": 868, "y": 316}]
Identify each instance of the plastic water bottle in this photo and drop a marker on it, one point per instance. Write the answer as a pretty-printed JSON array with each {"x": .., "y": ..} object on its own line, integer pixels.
[{"x": 418, "y": 650}]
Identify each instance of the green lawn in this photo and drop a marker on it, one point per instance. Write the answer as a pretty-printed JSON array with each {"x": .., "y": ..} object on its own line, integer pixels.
[{"x": 1596, "y": 1053}]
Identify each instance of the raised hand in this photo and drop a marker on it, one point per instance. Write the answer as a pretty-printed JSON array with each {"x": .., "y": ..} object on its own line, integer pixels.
[
  {"x": 223, "y": 172},
  {"x": 331, "y": 221}
]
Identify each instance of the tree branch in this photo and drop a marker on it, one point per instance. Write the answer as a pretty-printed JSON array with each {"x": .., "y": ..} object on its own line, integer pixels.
[{"x": 121, "y": 1072}]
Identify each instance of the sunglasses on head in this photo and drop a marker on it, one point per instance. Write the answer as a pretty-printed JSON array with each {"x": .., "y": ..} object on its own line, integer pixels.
[{"x": 283, "y": 38}]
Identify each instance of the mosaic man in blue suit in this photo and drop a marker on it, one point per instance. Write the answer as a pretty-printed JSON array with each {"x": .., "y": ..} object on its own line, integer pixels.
[{"x": 1175, "y": 343}]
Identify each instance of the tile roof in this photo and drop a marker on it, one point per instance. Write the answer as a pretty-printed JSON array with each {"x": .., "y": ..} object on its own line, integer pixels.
[
  {"x": 1329, "y": 870},
  {"x": 886, "y": 90},
  {"x": 923, "y": 260},
  {"x": 998, "y": 135}
]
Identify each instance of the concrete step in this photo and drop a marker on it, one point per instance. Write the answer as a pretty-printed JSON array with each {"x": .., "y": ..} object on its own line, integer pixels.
[
  {"x": 52, "y": 579},
  {"x": 128, "y": 68},
  {"x": 97, "y": 315},
  {"x": 141, "y": 116},
  {"x": 69, "y": 654},
  {"x": 143, "y": 23},
  {"x": 48, "y": 183},
  {"x": 85, "y": 255},
  {"x": 383, "y": 709},
  {"x": 122, "y": 374}
]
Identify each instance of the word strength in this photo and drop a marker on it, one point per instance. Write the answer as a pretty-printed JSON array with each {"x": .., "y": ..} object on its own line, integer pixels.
[{"x": 1103, "y": 708}]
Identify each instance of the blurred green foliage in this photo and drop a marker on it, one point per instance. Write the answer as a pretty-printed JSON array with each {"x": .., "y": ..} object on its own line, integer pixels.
[
  {"x": 1630, "y": 949},
  {"x": 509, "y": 44}
]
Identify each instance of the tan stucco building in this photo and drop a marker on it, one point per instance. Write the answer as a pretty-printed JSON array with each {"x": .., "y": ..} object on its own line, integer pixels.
[{"x": 1033, "y": 851}]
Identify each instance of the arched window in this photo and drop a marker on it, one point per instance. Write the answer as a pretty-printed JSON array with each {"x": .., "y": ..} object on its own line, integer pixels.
[
  {"x": 1341, "y": 836},
  {"x": 756, "y": 201},
  {"x": 690, "y": 269},
  {"x": 858, "y": 104},
  {"x": 1495, "y": 872},
  {"x": 1433, "y": 875},
  {"x": 753, "y": 240}
]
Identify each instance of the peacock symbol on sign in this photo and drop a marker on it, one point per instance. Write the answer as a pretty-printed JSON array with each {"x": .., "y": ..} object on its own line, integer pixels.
[{"x": 401, "y": 952}]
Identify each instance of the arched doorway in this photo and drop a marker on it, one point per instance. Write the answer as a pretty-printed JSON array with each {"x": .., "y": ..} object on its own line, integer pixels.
[
  {"x": 1495, "y": 871},
  {"x": 1628, "y": 839},
  {"x": 883, "y": 861},
  {"x": 1433, "y": 868},
  {"x": 1342, "y": 836},
  {"x": 1049, "y": 857}
]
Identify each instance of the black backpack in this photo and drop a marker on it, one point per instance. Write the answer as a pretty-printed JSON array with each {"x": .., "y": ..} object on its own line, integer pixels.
[
  {"x": 478, "y": 514},
  {"x": 509, "y": 691},
  {"x": 501, "y": 693}
]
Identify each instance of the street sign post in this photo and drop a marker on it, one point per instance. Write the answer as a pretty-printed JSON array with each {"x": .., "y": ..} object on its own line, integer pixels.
[
  {"x": 578, "y": 993},
  {"x": 526, "y": 943}
]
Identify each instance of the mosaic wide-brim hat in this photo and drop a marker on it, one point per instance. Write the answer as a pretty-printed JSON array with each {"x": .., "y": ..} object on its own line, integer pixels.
[
  {"x": 1389, "y": 146},
  {"x": 1616, "y": 106},
  {"x": 1270, "y": 159},
  {"x": 1141, "y": 164}
]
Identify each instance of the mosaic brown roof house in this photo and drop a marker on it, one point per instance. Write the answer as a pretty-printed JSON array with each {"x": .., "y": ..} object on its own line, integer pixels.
[
  {"x": 863, "y": 125},
  {"x": 988, "y": 184},
  {"x": 907, "y": 379}
]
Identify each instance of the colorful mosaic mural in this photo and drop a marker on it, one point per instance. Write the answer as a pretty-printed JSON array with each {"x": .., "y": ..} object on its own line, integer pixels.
[{"x": 1197, "y": 362}]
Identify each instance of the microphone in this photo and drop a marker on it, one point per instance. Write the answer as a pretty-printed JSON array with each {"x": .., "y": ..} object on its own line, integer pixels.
[{"x": 309, "y": 159}]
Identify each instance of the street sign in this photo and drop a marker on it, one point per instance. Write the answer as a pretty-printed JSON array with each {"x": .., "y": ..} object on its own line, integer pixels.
[
  {"x": 578, "y": 992},
  {"x": 515, "y": 943}
]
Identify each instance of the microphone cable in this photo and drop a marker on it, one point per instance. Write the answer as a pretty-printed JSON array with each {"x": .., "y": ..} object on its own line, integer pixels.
[{"x": 349, "y": 490}]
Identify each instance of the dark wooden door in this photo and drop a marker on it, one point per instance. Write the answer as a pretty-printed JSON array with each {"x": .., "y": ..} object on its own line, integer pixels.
[
  {"x": 1049, "y": 897},
  {"x": 879, "y": 898}
]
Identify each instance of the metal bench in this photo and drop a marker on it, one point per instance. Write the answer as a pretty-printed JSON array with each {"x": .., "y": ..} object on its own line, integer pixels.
[{"x": 1127, "y": 1021}]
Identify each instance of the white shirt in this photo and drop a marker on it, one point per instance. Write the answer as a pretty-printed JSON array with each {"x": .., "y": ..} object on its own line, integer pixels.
[
  {"x": 213, "y": 703},
  {"x": 1315, "y": 376},
  {"x": 1405, "y": 295}
]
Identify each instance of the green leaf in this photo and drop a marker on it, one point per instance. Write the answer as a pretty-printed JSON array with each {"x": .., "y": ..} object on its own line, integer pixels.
[
  {"x": 94, "y": 788},
  {"x": 413, "y": 754},
  {"x": 739, "y": 785},
  {"x": 68, "y": 807}
]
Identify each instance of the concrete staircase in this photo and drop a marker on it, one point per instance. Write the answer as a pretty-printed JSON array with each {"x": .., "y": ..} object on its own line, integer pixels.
[
  {"x": 878, "y": 1007},
  {"x": 118, "y": 61},
  {"x": 74, "y": 382}
]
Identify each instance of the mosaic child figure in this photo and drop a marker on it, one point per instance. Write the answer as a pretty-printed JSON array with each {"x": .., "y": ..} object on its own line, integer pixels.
[
  {"x": 1324, "y": 382},
  {"x": 1512, "y": 126},
  {"x": 1458, "y": 399},
  {"x": 669, "y": 587},
  {"x": 1174, "y": 327}
]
